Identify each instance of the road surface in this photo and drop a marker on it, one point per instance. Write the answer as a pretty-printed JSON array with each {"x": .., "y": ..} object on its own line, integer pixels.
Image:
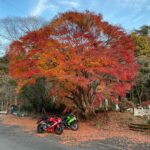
[{"x": 14, "y": 138}]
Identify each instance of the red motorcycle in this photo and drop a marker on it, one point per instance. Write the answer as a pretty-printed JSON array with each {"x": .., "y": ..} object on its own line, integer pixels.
[{"x": 50, "y": 124}]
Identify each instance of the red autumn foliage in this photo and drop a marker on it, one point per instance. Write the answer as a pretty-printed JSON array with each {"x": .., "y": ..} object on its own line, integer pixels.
[
  {"x": 88, "y": 58},
  {"x": 146, "y": 103}
]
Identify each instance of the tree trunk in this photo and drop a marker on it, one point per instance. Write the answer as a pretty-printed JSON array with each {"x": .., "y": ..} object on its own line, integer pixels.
[
  {"x": 138, "y": 94},
  {"x": 89, "y": 114},
  {"x": 83, "y": 99}
]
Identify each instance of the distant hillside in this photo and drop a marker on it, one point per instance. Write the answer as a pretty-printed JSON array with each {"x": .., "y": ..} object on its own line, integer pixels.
[{"x": 3, "y": 65}]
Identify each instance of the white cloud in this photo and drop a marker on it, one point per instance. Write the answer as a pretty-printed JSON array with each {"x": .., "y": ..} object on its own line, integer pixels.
[
  {"x": 39, "y": 8},
  {"x": 42, "y": 6},
  {"x": 138, "y": 18},
  {"x": 136, "y": 4},
  {"x": 69, "y": 3}
]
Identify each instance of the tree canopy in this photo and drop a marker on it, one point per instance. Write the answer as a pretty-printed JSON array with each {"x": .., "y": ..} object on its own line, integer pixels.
[{"x": 87, "y": 58}]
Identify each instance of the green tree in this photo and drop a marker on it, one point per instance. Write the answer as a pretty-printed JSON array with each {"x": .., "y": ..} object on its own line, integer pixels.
[
  {"x": 141, "y": 90},
  {"x": 36, "y": 97}
]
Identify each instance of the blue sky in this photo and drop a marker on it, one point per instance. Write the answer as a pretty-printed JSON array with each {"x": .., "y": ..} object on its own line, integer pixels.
[{"x": 129, "y": 14}]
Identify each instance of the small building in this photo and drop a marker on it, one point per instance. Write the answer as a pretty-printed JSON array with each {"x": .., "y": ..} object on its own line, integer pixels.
[
  {"x": 143, "y": 110},
  {"x": 146, "y": 104}
]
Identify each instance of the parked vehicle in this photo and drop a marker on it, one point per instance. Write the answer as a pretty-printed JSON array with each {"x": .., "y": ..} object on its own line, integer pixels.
[
  {"x": 70, "y": 121},
  {"x": 50, "y": 124}
]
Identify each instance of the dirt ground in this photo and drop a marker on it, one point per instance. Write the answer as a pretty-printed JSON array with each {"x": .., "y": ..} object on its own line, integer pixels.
[{"x": 107, "y": 125}]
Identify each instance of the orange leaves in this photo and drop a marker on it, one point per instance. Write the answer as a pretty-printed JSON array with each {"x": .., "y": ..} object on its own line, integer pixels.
[
  {"x": 75, "y": 49},
  {"x": 101, "y": 87},
  {"x": 101, "y": 61},
  {"x": 51, "y": 63}
]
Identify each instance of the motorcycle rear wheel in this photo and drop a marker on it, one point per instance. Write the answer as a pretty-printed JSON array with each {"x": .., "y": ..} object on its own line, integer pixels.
[{"x": 40, "y": 129}]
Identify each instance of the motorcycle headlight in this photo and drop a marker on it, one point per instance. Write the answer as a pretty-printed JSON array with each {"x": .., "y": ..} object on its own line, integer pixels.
[{"x": 75, "y": 118}]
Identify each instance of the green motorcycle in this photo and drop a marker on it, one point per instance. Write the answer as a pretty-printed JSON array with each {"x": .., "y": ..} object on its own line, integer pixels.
[{"x": 70, "y": 121}]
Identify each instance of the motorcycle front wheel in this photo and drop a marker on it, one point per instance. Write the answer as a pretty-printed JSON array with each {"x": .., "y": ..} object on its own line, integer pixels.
[
  {"x": 58, "y": 130},
  {"x": 74, "y": 126},
  {"x": 40, "y": 129}
]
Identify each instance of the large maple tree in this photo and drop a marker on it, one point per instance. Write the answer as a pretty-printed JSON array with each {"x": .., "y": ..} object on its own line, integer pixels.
[{"x": 88, "y": 59}]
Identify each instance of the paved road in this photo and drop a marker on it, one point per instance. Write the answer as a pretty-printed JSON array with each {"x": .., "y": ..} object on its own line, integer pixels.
[{"x": 14, "y": 138}]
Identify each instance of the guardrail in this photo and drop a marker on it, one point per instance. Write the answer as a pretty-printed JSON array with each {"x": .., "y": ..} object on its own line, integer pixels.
[
  {"x": 3, "y": 112},
  {"x": 141, "y": 112}
]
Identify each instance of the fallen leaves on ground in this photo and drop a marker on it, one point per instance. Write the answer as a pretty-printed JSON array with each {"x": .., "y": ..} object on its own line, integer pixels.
[{"x": 105, "y": 126}]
